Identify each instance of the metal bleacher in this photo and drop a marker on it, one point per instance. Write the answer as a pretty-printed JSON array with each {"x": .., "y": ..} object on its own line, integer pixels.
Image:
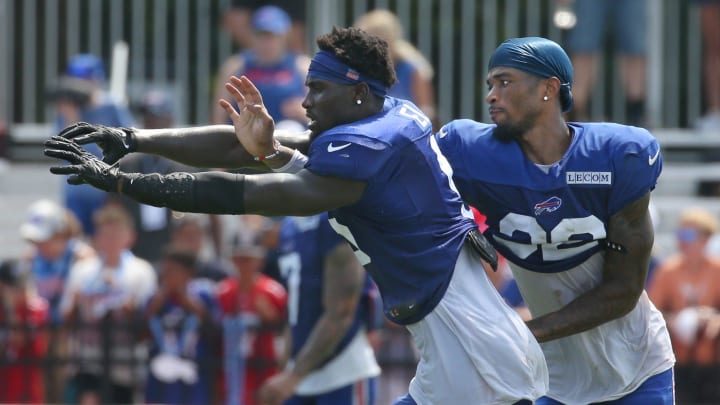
[{"x": 689, "y": 158}]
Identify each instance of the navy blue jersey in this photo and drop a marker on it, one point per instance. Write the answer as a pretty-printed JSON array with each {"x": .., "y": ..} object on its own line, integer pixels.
[
  {"x": 551, "y": 221},
  {"x": 177, "y": 332},
  {"x": 305, "y": 242},
  {"x": 409, "y": 226}
]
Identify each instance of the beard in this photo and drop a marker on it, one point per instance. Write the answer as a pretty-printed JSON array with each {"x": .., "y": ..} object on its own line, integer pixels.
[{"x": 507, "y": 132}]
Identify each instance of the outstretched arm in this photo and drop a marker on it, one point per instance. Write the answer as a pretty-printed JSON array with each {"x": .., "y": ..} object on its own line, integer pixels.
[
  {"x": 623, "y": 278},
  {"x": 210, "y": 146},
  {"x": 219, "y": 146},
  {"x": 271, "y": 194},
  {"x": 343, "y": 281},
  {"x": 205, "y": 146}
]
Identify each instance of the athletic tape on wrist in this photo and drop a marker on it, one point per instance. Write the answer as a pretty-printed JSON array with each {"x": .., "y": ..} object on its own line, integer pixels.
[{"x": 297, "y": 162}]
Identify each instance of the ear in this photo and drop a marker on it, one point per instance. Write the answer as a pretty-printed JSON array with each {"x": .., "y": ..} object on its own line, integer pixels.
[
  {"x": 552, "y": 87},
  {"x": 360, "y": 91}
]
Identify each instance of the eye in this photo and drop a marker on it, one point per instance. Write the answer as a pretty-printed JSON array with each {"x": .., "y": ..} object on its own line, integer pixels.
[{"x": 504, "y": 83}]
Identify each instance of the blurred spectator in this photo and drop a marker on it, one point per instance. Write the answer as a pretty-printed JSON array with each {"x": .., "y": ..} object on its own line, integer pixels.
[
  {"x": 152, "y": 223},
  {"x": 237, "y": 17},
  {"x": 54, "y": 233},
  {"x": 180, "y": 317},
  {"x": 242, "y": 229},
  {"x": 686, "y": 288},
  {"x": 24, "y": 317},
  {"x": 253, "y": 308},
  {"x": 627, "y": 22},
  {"x": 713, "y": 246},
  {"x": 276, "y": 71},
  {"x": 104, "y": 291},
  {"x": 710, "y": 26},
  {"x": 80, "y": 96},
  {"x": 414, "y": 72},
  {"x": 189, "y": 232}
]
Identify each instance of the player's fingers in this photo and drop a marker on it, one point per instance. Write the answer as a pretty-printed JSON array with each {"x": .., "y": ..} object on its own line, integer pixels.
[
  {"x": 76, "y": 130},
  {"x": 57, "y": 142},
  {"x": 229, "y": 109},
  {"x": 252, "y": 94},
  {"x": 236, "y": 93},
  {"x": 62, "y": 154},
  {"x": 84, "y": 139},
  {"x": 66, "y": 169},
  {"x": 74, "y": 180},
  {"x": 259, "y": 110}
]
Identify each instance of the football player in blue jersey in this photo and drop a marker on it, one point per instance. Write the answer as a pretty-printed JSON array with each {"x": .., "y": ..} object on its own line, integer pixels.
[
  {"x": 567, "y": 205},
  {"x": 329, "y": 297},
  {"x": 374, "y": 164}
]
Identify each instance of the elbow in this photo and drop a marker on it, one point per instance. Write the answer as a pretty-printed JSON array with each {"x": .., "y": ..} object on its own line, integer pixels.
[
  {"x": 628, "y": 300},
  {"x": 343, "y": 321},
  {"x": 626, "y": 308}
]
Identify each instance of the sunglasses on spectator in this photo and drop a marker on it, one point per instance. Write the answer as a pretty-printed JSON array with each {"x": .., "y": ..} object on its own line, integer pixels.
[{"x": 688, "y": 235}]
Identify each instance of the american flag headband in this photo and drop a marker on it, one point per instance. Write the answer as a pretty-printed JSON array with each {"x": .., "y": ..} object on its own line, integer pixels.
[{"x": 325, "y": 65}]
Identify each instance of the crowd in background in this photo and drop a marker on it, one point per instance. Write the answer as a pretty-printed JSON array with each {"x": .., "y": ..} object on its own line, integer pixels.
[{"x": 120, "y": 302}]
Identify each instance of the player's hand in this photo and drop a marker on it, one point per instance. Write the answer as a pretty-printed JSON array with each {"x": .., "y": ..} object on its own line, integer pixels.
[
  {"x": 84, "y": 164},
  {"x": 278, "y": 388},
  {"x": 254, "y": 127},
  {"x": 114, "y": 142}
]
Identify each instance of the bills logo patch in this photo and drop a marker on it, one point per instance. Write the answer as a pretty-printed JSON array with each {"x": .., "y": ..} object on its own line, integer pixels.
[
  {"x": 549, "y": 205},
  {"x": 352, "y": 74}
]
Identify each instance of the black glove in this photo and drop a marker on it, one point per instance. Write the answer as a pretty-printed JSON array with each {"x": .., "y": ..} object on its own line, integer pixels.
[
  {"x": 84, "y": 164},
  {"x": 483, "y": 247},
  {"x": 114, "y": 142}
]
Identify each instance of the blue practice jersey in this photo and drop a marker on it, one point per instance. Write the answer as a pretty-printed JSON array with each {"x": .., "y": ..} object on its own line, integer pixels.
[
  {"x": 305, "y": 242},
  {"x": 551, "y": 221},
  {"x": 409, "y": 226},
  {"x": 177, "y": 332}
]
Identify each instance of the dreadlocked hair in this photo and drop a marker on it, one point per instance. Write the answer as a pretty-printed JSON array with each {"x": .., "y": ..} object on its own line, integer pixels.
[{"x": 361, "y": 51}]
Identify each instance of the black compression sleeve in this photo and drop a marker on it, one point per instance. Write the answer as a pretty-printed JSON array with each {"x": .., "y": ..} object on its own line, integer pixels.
[{"x": 207, "y": 192}]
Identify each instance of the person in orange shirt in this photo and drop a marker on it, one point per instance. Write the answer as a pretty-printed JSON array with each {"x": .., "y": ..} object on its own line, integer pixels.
[{"x": 687, "y": 290}]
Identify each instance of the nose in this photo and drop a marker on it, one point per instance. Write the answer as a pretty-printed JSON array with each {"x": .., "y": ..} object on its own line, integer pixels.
[
  {"x": 491, "y": 98},
  {"x": 307, "y": 103}
]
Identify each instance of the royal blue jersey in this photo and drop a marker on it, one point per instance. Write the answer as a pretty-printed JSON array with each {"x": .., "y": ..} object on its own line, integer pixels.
[
  {"x": 551, "y": 220},
  {"x": 408, "y": 227},
  {"x": 403, "y": 88},
  {"x": 305, "y": 242}
]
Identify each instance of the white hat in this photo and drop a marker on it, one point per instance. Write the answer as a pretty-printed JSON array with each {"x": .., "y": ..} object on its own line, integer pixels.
[{"x": 45, "y": 219}]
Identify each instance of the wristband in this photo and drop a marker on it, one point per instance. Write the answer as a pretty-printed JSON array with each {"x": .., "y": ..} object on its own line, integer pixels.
[
  {"x": 297, "y": 162},
  {"x": 276, "y": 153}
]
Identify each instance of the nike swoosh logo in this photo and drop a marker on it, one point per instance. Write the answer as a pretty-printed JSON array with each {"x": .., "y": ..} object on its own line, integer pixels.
[
  {"x": 332, "y": 148},
  {"x": 443, "y": 133},
  {"x": 652, "y": 159}
]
